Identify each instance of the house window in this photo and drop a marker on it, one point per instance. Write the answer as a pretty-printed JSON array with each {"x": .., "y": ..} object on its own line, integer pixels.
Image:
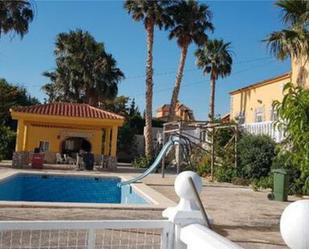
[
  {"x": 259, "y": 114},
  {"x": 273, "y": 114},
  {"x": 44, "y": 146}
]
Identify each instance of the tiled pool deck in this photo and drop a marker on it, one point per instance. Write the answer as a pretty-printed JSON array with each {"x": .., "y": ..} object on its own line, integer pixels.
[{"x": 244, "y": 216}]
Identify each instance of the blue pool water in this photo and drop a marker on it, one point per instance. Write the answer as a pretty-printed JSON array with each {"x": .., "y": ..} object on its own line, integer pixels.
[{"x": 59, "y": 188}]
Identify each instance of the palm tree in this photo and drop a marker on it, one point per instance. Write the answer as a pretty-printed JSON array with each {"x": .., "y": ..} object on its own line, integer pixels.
[
  {"x": 15, "y": 17},
  {"x": 190, "y": 21},
  {"x": 293, "y": 41},
  {"x": 215, "y": 59},
  {"x": 152, "y": 13},
  {"x": 85, "y": 72}
]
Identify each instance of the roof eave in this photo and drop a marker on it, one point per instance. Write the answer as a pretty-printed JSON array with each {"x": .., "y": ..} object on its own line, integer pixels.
[
  {"x": 262, "y": 83},
  {"x": 41, "y": 118}
]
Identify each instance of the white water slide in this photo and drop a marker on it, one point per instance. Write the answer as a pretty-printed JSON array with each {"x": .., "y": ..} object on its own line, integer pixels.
[{"x": 165, "y": 149}]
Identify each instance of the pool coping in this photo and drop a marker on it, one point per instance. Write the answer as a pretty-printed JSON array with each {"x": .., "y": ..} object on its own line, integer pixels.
[{"x": 156, "y": 199}]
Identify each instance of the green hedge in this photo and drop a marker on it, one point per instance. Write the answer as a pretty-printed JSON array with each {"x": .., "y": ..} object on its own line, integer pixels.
[
  {"x": 7, "y": 142},
  {"x": 256, "y": 155}
]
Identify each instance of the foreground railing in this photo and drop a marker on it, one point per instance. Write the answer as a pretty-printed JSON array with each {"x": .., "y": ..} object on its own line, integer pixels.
[
  {"x": 184, "y": 229},
  {"x": 128, "y": 234},
  {"x": 193, "y": 236},
  {"x": 265, "y": 128}
]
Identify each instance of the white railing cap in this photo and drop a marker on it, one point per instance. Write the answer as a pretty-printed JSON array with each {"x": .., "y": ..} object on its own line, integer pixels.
[
  {"x": 294, "y": 225},
  {"x": 197, "y": 236}
]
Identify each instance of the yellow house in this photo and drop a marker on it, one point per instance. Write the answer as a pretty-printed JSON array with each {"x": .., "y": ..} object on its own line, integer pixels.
[
  {"x": 65, "y": 128},
  {"x": 253, "y": 103}
]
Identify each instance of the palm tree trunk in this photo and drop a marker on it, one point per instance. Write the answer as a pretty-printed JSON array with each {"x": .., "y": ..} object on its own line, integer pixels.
[
  {"x": 300, "y": 70},
  {"x": 212, "y": 99},
  {"x": 149, "y": 86},
  {"x": 211, "y": 118},
  {"x": 172, "y": 113},
  {"x": 91, "y": 97}
]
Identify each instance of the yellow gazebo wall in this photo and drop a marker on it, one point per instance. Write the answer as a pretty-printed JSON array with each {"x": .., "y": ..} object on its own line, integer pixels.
[{"x": 55, "y": 137}]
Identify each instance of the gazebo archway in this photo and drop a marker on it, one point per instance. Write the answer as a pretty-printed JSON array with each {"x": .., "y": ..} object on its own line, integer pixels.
[{"x": 75, "y": 145}]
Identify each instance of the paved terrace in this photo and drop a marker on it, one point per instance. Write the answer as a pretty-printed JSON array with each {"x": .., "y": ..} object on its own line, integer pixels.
[{"x": 240, "y": 214}]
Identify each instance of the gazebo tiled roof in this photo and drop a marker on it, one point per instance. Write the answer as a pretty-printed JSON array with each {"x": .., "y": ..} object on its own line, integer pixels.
[{"x": 68, "y": 110}]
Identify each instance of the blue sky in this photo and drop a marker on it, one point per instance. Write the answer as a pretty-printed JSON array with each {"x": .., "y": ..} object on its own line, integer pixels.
[{"x": 244, "y": 23}]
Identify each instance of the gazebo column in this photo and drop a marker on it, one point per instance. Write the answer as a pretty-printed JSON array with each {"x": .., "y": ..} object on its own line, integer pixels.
[
  {"x": 114, "y": 141},
  {"x": 20, "y": 135},
  {"x": 107, "y": 141},
  {"x": 97, "y": 142},
  {"x": 25, "y": 137}
]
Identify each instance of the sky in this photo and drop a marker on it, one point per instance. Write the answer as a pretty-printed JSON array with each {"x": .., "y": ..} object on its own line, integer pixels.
[{"x": 243, "y": 23}]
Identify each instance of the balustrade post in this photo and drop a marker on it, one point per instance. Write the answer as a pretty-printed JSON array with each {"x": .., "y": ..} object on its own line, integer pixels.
[
  {"x": 91, "y": 239},
  {"x": 186, "y": 212}
]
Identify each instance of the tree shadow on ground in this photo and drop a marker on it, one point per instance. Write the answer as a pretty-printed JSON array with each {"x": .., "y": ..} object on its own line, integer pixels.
[{"x": 225, "y": 229}]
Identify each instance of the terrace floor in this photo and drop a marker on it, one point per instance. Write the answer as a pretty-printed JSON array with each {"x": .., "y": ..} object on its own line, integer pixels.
[{"x": 240, "y": 214}]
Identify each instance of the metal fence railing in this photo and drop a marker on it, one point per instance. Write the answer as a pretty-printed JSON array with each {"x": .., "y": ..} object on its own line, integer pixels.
[
  {"x": 114, "y": 234},
  {"x": 265, "y": 128}
]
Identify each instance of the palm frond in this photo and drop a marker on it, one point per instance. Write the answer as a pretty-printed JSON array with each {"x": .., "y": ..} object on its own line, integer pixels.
[
  {"x": 215, "y": 58},
  {"x": 285, "y": 43},
  {"x": 191, "y": 20},
  {"x": 294, "y": 12},
  {"x": 150, "y": 11},
  {"x": 15, "y": 17}
]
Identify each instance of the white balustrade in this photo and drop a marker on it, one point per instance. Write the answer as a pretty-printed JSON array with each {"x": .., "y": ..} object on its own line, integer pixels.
[{"x": 264, "y": 128}]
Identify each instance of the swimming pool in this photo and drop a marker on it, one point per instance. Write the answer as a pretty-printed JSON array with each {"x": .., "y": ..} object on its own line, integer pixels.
[{"x": 63, "y": 188}]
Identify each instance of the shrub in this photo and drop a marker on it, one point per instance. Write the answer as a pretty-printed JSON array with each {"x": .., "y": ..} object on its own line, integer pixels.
[
  {"x": 141, "y": 162},
  {"x": 283, "y": 160},
  {"x": 263, "y": 183},
  {"x": 256, "y": 154},
  {"x": 225, "y": 173},
  {"x": 203, "y": 166},
  {"x": 293, "y": 114},
  {"x": 240, "y": 181},
  {"x": 7, "y": 142}
]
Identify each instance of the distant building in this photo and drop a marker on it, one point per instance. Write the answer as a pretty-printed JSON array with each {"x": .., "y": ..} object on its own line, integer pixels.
[
  {"x": 182, "y": 112},
  {"x": 225, "y": 118}
]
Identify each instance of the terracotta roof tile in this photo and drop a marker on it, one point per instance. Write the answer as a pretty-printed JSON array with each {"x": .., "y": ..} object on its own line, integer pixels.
[{"x": 68, "y": 110}]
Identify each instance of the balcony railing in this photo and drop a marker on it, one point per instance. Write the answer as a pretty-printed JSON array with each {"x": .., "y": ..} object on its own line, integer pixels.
[{"x": 265, "y": 128}]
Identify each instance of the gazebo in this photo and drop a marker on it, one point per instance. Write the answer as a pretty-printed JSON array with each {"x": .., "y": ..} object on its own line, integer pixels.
[{"x": 66, "y": 127}]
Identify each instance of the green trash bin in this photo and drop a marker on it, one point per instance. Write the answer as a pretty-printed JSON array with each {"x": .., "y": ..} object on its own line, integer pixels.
[{"x": 281, "y": 184}]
